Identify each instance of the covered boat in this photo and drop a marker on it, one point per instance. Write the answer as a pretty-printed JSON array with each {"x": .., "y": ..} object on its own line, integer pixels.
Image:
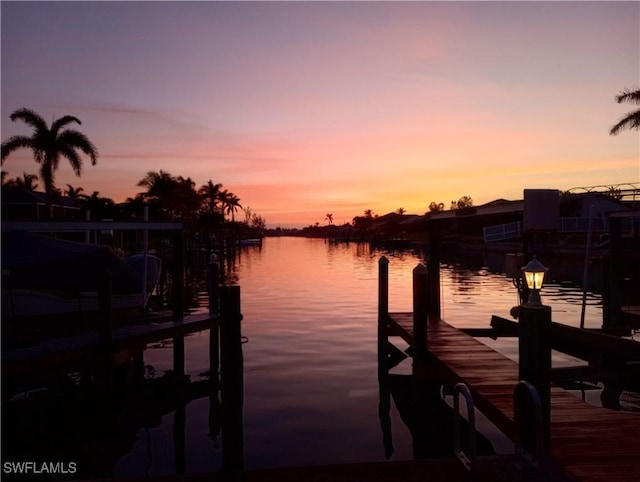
[{"x": 42, "y": 275}]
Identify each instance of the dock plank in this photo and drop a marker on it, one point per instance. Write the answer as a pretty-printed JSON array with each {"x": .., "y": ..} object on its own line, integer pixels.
[{"x": 587, "y": 443}]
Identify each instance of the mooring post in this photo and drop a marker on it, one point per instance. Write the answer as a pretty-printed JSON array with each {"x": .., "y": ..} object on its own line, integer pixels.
[
  {"x": 177, "y": 298},
  {"x": 231, "y": 379},
  {"x": 383, "y": 297},
  {"x": 534, "y": 345},
  {"x": 105, "y": 310},
  {"x": 213, "y": 273},
  {"x": 420, "y": 312},
  {"x": 177, "y": 280},
  {"x": 612, "y": 311},
  {"x": 433, "y": 267},
  {"x": 384, "y": 403}
]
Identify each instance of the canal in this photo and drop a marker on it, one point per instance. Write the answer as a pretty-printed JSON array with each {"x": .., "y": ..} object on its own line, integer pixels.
[{"x": 311, "y": 390}]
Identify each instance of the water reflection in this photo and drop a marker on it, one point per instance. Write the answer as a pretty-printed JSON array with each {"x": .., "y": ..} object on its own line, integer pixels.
[{"x": 312, "y": 390}]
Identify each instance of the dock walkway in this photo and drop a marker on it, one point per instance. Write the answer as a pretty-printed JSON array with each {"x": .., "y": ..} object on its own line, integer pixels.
[
  {"x": 60, "y": 355},
  {"x": 587, "y": 443}
]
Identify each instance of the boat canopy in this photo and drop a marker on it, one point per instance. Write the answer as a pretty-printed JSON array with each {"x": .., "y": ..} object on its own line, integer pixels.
[{"x": 35, "y": 261}]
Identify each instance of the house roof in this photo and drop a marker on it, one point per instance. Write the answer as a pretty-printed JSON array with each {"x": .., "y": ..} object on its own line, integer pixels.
[
  {"x": 499, "y": 206},
  {"x": 24, "y": 196}
]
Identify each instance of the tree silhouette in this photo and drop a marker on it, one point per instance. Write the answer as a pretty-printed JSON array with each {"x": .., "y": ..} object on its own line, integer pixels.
[
  {"x": 463, "y": 202},
  {"x": 435, "y": 207},
  {"x": 26, "y": 182},
  {"x": 632, "y": 119},
  {"x": 329, "y": 218},
  {"x": 210, "y": 194},
  {"x": 49, "y": 144},
  {"x": 230, "y": 203},
  {"x": 74, "y": 192}
]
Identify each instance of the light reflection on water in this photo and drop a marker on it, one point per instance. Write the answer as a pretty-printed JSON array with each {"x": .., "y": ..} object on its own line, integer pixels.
[{"x": 310, "y": 386}]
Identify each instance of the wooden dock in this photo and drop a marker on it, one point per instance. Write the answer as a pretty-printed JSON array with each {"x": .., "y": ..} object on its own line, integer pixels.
[
  {"x": 75, "y": 353},
  {"x": 587, "y": 443}
]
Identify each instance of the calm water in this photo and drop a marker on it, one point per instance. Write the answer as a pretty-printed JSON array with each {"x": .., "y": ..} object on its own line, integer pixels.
[{"x": 311, "y": 388}]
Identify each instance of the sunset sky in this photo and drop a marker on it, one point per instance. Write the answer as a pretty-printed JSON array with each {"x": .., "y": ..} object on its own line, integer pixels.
[{"x": 308, "y": 108}]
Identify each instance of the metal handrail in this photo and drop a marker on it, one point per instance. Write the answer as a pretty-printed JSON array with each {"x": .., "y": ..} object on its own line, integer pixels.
[
  {"x": 537, "y": 457},
  {"x": 468, "y": 461}
]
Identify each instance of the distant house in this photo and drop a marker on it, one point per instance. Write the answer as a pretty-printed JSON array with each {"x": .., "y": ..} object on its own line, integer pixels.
[
  {"x": 502, "y": 219},
  {"x": 24, "y": 205},
  {"x": 470, "y": 222},
  {"x": 397, "y": 225}
]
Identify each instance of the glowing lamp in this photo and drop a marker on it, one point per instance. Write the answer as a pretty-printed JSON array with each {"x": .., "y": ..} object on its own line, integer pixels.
[{"x": 534, "y": 276}]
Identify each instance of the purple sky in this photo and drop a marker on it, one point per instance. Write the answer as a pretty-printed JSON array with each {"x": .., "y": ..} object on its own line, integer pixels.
[{"x": 303, "y": 109}]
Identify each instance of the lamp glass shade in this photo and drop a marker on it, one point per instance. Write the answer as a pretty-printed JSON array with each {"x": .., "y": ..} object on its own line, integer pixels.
[
  {"x": 534, "y": 279},
  {"x": 534, "y": 274}
]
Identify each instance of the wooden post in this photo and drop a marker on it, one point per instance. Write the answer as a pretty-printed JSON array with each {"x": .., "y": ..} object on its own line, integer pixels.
[
  {"x": 178, "y": 359},
  {"x": 178, "y": 303},
  {"x": 384, "y": 403},
  {"x": 231, "y": 382},
  {"x": 433, "y": 267},
  {"x": 612, "y": 303},
  {"x": 383, "y": 294},
  {"x": 534, "y": 344},
  {"x": 420, "y": 312},
  {"x": 105, "y": 310},
  {"x": 177, "y": 293},
  {"x": 213, "y": 271}
]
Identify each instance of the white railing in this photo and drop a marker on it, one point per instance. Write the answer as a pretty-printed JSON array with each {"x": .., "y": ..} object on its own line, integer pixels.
[{"x": 502, "y": 232}]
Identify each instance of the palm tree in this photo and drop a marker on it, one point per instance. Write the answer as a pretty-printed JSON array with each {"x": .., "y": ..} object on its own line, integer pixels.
[
  {"x": 210, "y": 194},
  {"x": 188, "y": 201},
  {"x": 26, "y": 182},
  {"x": 329, "y": 218},
  {"x": 232, "y": 205},
  {"x": 162, "y": 190},
  {"x": 401, "y": 211},
  {"x": 100, "y": 207},
  {"x": 74, "y": 192},
  {"x": 632, "y": 119},
  {"x": 229, "y": 203},
  {"x": 49, "y": 144}
]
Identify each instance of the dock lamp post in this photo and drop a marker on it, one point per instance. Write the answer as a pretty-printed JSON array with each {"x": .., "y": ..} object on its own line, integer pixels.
[
  {"x": 534, "y": 344},
  {"x": 534, "y": 273}
]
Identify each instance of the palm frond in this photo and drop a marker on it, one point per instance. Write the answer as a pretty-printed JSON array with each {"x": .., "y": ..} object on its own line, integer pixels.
[
  {"x": 627, "y": 95},
  {"x": 78, "y": 140},
  {"x": 74, "y": 159},
  {"x": 63, "y": 121},
  {"x": 29, "y": 117},
  {"x": 14, "y": 143},
  {"x": 630, "y": 121}
]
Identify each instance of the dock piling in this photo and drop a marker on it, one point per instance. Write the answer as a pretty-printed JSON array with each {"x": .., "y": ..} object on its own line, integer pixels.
[
  {"x": 383, "y": 288},
  {"x": 231, "y": 379},
  {"x": 420, "y": 311},
  {"x": 213, "y": 271},
  {"x": 433, "y": 267},
  {"x": 534, "y": 345},
  {"x": 178, "y": 303},
  {"x": 177, "y": 274},
  {"x": 383, "y": 304}
]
